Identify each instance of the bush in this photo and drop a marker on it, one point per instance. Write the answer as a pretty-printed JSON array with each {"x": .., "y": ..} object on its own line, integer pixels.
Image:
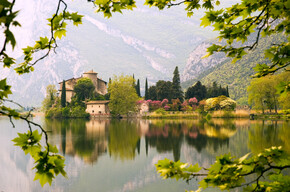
[
  {"x": 79, "y": 112},
  {"x": 160, "y": 111},
  {"x": 220, "y": 103},
  {"x": 65, "y": 112}
]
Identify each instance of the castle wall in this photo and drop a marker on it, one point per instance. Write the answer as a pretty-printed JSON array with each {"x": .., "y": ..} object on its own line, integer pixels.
[
  {"x": 97, "y": 109},
  {"x": 101, "y": 87}
]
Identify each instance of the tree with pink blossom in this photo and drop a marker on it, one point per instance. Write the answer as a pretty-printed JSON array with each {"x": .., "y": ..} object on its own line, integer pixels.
[{"x": 164, "y": 102}]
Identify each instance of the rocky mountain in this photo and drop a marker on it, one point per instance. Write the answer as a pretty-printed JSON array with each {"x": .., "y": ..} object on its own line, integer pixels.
[
  {"x": 220, "y": 69},
  {"x": 146, "y": 42},
  {"x": 197, "y": 65}
]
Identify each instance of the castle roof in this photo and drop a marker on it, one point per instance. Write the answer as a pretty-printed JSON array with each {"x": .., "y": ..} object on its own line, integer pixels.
[
  {"x": 97, "y": 102},
  {"x": 90, "y": 72}
]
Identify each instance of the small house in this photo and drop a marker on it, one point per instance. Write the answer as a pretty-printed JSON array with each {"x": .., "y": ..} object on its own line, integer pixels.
[{"x": 97, "y": 108}]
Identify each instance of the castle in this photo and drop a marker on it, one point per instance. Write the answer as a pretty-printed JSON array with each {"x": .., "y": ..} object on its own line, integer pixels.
[{"x": 100, "y": 85}]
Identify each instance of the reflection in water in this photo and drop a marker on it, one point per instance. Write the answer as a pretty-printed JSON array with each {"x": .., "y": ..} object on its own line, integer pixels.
[
  {"x": 87, "y": 139},
  {"x": 98, "y": 152},
  {"x": 166, "y": 137},
  {"x": 122, "y": 138},
  {"x": 269, "y": 133}
]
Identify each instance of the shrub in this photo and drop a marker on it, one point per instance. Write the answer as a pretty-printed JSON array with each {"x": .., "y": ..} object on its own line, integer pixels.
[
  {"x": 164, "y": 102},
  {"x": 65, "y": 112},
  {"x": 166, "y": 107},
  {"x": 160, "y": 111},
  {"x": 221, "y": 102}
]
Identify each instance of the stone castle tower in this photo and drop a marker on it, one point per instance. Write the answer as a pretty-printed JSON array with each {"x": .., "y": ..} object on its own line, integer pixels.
[{"x": 100, "y": 85}]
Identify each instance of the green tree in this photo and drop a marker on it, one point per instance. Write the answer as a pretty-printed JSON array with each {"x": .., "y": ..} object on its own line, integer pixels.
[
  {"x": 152, "y": 93},
  {"x": 123, "y": 96},
  {"x": 176, "y": 88},
  {"x": 50, "y": 97},
  {"x": 146, "y": 90},
  {"x": 198, "y": 91},
  {"x": 63, "y": 95},
  {"x": 164, "y": 90},
  {"x": 84, "y": 89},
  {"x": 138, "y": 88},
  {"x": 263, "y": 94}
]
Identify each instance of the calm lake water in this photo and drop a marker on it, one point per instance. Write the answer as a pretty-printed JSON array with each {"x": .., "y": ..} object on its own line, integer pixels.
[{"x": 117, "y": 156}]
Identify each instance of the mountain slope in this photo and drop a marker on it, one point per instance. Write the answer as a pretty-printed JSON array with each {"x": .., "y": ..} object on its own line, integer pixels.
[{"x": 236, "y": 75}]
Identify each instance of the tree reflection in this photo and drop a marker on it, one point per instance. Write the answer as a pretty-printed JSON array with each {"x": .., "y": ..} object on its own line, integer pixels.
[
  {"x": 264, "y": 134},
  {"x": 165, "y": 137},
  {"x": 169, "y": 135},
  {"x": 124, "y": 139}
]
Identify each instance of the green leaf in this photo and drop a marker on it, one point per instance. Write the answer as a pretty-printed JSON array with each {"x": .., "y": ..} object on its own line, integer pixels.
[
  {"x": 44, "y": 178},
  {"x": 59, "y": 33},
  {"x": 10, "y": 38}
]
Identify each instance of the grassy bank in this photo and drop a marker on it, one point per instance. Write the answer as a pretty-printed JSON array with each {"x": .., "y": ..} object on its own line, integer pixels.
[
  {"x": 196, "y": 115},
  {"x": 172, "y": 115},
  {"x": 245, "y": 114},
  {"x": 272, "y": 116}
]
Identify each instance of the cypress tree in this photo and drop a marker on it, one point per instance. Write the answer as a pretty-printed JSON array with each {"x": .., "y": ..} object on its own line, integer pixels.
[
  {"x": 176, "y": 88},
  {"x": 134, "y": 84},
  {"x": 138, "y": 88},
  {"x": 227, "y": 94},
  {"x": 146, "y": 90},
  {"x": 63, "y": 95}
]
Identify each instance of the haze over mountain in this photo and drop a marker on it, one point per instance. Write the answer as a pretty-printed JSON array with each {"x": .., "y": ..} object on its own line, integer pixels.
[{"x": 146, "y": 42}]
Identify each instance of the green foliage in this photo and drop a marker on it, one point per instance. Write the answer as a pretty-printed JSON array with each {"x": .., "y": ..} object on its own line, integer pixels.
[
  {"x": 160, "y": 111},
  {"x": 164, "y": 90},
  {"x": 220, "y": 103},
  {"x": 176, "y": 88},
  {"x": 99, "y": 97},
  {"x": 63, "y": 94},
  {"x": 109, "y": 6},
  {"x": 198, "y": 91},
  {"x": 48, "y": 163},
  {"x": 123, "y": 96},
  {"x": 264, "y": 92},
  {"x": 50, "y": 98},
  {"x": 146, "y": 90},
  {"x": 71, "y": 111},
  {"x": 152, "y": 93},
  {"x": 229, "y": 172},
  {"x": 138, "y": 88},
  {"x": 84, "y": 89},
  {"x": 5, "y": 89}
]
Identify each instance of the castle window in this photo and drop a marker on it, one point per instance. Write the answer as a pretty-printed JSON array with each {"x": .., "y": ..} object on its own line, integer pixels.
[{"x": 99, "y": 106}]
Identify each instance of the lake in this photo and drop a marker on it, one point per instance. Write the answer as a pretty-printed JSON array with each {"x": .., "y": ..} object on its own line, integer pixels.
[{"x": 119, "y": 156}]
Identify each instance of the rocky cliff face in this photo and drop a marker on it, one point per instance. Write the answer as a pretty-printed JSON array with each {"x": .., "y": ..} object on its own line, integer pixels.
[{"x": 197, "y": 65}]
